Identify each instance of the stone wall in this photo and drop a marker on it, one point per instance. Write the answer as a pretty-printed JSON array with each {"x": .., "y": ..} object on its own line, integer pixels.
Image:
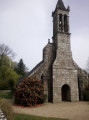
[
  {"x": 5, "y": 91},
  {"x": 64, "y": 77}
]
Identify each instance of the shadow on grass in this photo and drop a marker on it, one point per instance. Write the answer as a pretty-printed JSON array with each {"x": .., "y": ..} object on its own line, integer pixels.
[{"x": 30, "y": 117}]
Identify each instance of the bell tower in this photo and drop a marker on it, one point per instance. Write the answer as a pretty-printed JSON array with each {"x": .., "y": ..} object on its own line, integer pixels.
[
  {"x": 65, "y": 82},
  {"x": 60, "y": 21}
]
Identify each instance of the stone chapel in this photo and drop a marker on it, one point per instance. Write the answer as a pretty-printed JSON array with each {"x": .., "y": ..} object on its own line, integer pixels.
[{"x": 62, "y": 78}]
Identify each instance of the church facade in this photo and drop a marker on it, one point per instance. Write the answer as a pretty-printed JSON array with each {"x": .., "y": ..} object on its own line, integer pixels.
[{"x": 63, "y": 80}]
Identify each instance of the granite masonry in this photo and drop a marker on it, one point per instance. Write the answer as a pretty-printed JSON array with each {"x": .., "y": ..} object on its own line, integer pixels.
[{"x": 62, "y": 78}]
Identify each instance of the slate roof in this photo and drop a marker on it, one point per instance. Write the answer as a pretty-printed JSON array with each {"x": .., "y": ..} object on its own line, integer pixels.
[
  {"x": 35, "y": 68},
  {"x": 22, "y": 78}
]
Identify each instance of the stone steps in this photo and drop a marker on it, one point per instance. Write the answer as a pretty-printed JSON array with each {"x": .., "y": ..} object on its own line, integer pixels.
[{"x": 2, "y": 116}]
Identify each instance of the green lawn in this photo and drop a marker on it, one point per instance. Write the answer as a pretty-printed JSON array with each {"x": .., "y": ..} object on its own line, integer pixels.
[
  {"x": 6, "y": 95},
  {"x": 29, "y": 117}
]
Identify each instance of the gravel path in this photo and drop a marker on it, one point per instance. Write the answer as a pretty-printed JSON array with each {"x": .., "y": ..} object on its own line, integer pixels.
[{"x": 70, "y": 110}]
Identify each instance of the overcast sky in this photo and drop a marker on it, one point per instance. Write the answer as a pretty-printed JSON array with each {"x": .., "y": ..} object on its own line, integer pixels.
[{"x": 26, "y": 26}]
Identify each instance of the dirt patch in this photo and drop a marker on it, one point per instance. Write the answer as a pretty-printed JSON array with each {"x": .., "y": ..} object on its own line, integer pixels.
[{"x": 70, "y": 110}]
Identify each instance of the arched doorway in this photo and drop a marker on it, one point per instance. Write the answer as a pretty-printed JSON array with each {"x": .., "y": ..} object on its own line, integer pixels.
[{"x": 66, "y": 93}]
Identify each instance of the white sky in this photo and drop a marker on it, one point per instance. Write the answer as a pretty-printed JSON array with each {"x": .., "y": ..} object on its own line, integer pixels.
[{"x": 26, "y": 26}]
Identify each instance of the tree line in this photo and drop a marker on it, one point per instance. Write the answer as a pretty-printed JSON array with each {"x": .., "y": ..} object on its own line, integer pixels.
[{"x": 10, "y": 71}]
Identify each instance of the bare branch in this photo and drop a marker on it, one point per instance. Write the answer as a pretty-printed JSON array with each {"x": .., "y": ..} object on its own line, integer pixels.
[
  {"x": 5, "y": 50},
  {"x": 87, "y": 66}
]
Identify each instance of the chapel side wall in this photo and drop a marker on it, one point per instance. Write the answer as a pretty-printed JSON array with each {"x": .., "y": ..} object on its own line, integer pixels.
[
  {"x": 83, "y": 81},
  {"x": 44, "y": 71},
  {"x": 40, "y": 73}
]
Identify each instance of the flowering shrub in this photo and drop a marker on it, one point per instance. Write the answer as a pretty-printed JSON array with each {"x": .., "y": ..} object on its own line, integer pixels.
[
  {"x": 29, "y": 92},
  {"x": 86, "y": 93}
]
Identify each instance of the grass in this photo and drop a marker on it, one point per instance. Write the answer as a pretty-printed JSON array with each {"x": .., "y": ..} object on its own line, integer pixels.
[
  {"x": 29, "y": 117},
  {"x": 6, "y": 95}
]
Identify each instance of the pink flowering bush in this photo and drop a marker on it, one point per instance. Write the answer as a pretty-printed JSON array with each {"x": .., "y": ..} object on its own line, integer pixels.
[
  {"x": 29, "y": 92},
  {"x": 86, "y": 93}
]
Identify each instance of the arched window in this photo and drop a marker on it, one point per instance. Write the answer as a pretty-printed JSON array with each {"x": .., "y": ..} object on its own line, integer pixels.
[
  {"x": 65, "y": 24},
  {"x": 60, "y": 22}
]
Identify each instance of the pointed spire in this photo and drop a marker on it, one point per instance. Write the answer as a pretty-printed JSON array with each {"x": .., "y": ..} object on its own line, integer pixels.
[
  {"x": 68, "y": 8},
  {"x": 60, "y": 5},
  {"x": 48, "y": 41}
]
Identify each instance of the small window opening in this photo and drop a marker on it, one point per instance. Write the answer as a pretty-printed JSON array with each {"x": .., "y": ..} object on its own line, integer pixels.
[
  {"x": 42, "y": 76},
  {"x": 60, "y": 22},
  {"x": 65, "y": 24}
]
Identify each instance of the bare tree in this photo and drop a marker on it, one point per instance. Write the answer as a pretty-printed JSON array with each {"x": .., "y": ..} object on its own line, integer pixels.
[
  {"x": 87, "y": 66},
  {"x": 5, "y": 51}
]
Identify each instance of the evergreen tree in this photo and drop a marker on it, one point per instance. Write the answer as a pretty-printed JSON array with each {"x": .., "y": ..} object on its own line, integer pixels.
[{"x": 20, "y": 68}]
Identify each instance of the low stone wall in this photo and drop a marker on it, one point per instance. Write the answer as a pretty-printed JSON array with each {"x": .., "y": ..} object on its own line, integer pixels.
[{"x": 5, "y": 91}]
